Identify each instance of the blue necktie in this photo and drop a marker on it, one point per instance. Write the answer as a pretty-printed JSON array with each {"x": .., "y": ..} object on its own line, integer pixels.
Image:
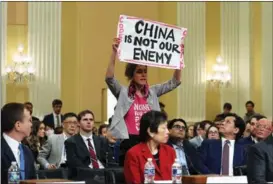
[{"x": 22, "y": 162}]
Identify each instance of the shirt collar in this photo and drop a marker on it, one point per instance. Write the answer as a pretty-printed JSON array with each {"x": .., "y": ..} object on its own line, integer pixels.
[
  {"x": 55, "y": 114},
  {"x": 84, "y": 137},
  {"x": 253, "y": 139},
  {"x": 14, "y": 144},
  {"x": 232, "y": 142}
]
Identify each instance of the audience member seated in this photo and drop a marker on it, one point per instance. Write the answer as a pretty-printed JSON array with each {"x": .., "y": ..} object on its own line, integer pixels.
[
  {"x": 185, "y": 151},
  {"x": 190, "y": 132},
  {"x": 95, "y": 131},
  {"x": 54, "y": 119},
  {"x": 213, "y": 133},
  {"x": 153, "y": 136},
  {"x": 250, "y": 140},
  {"x": 247, "y": 131},
  {"x": 263, "y": 129},
  {"x": 85, "y": 149},
  {"x": 249, "y": 110},
  {"x": 220, "y": 156},
  {"x": 53, "y": 154},
  {"x": 16, "y": 125},
  {"x": 58, "y": 130},
  {"x": 260, "y": 162},
  {"x": 103, "y": 130},
  {"x": 36, "y": 139},
  {"x": 134, "y": 100},
  {"x": 29, "y": 106},
  {"x": 203, "y": 127}
]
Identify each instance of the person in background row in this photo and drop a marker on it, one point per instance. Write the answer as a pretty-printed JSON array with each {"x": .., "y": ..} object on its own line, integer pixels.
[
  {"x": 103, "y": 130},
  {"x": 247, "y": 131},
  {"x": 203, "y": 127},
  {"x": 16, "y": 125},
  {"x": 260, "y": 161},
  {"x": 54, "y": 119},
  {"x": 213, "y": 133},
  {"x": 190, "y": 132},
  {"x": 95, "y": 130},
  {"x": 153, "y": 138},
  {"x": 226, "y": 109},
  {"x": 162, "y": 108},
  {"x": 249, "y": 110},
  {"x": 36, "y": 139},
  {"x": 29, "y": 106},
  {"x": 53, "y": 154},
  {"x": 134, "y": 100},
  {"x": 263, "y": 129}
]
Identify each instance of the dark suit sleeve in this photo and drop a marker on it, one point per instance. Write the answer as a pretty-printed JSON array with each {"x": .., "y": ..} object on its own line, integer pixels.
[
  {"x": 72, "y": 160},
  {"x": 202, "y": 153},
  {"x": 256, "y": 166},
  {"x": 30, "y": 162}
]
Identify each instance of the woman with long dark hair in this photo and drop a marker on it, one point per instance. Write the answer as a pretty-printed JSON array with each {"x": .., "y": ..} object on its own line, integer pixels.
[{"x": 134, "y": 100}]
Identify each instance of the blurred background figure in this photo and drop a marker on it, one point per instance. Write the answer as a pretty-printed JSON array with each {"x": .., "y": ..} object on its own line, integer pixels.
[
  {"x": 29, "y": 106},
  {"x": 213, "y": 132},
  {"x": 190, "y": 132}
]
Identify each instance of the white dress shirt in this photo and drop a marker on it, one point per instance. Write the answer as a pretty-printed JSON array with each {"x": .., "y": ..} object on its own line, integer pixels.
[
  {"x": 55, "y": 119},
  {"x": 93, "y": 145},
  {"x": 254, "y": 139},
  {"x": 63, "y": 159},
  {"x": 14, "y": 146},
  {"x": 231, "y": 154}
]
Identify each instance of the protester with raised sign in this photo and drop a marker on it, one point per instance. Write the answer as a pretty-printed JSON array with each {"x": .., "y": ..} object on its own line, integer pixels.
[{"x": 134, "y": 100}]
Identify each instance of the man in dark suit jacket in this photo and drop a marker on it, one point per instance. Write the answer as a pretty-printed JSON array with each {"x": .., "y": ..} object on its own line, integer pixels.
[
  {"x": 54, "y": 119},
  {"x": 260, "y": 162},
  {"x": 16, "y": 125},
  {"x": 213, "y": 152},
  {"x": 80, "y": 154},
  {"x": 185, "y": 151}
]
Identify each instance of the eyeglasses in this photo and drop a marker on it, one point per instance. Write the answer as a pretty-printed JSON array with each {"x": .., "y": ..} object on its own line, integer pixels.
[
  {"x": 178, "y": 127},
  {"x": 71, "y": 122},
  {"x": 213, "y": 132}
]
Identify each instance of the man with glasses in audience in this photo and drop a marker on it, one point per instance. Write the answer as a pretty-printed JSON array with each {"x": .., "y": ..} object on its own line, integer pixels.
[
  {"x": 53, "y": 154},
  {"x": 185, "y": 151},
  {"x": 260, "y": 156}
]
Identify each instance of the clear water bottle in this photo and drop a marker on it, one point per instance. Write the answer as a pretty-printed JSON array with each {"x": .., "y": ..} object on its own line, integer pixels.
[
  {"x": 13, "y": 174},
  {"x": 149, "y": 171},
  {"x": 177, "y": 172}
]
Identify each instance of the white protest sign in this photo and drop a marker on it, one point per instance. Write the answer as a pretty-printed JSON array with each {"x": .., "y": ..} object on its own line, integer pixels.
[{"x": 150, "y": 43}]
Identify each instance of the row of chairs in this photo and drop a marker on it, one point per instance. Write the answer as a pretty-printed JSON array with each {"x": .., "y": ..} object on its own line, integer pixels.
[{"x": 108, "y": 176}]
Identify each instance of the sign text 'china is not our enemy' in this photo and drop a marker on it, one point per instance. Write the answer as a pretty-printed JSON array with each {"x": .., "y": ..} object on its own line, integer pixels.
[{"x": 150, "y": 43}]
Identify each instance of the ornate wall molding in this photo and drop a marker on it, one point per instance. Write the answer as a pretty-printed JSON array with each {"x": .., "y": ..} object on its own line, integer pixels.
[
  {"x": 44, "y": 26},
  {"x": 192, "y": 91},
  {"x": 3, "y": 49},
  {"x": 235, "y": 50},
  {"x": 267, "y": 59}
]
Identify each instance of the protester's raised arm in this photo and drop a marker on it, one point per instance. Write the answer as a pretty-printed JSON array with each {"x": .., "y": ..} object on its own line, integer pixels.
[{"x": 111, "y": 66}]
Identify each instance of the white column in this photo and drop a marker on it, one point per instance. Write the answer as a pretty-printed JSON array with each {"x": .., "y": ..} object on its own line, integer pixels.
[
  {"x": 3, "y": 50},
  {"x": 192, "y": 91},
  {"x": 235, "y": 50},
  {"x": 44, "y": 26},
  {"x": 267, "y": 59}
]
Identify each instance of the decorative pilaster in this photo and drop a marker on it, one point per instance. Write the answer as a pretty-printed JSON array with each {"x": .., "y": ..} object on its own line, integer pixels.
[
  {"x": 192, "y": 91},
  {"x": 3, "y": 50},
  {"x": 235, "y": 50},
  {"x": 267, "y": 59},
  {"x": 44, "y": 25}
]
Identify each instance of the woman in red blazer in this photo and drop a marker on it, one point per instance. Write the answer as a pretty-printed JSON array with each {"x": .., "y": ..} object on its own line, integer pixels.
[{"x": 153, "y": 136}]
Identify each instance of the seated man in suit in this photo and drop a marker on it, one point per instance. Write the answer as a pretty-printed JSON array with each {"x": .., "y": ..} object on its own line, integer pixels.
[
  {"x": 203, "y": 127},
  {"x": 260, "y": 162},
  {"x": 85, "y": 149},
  {"x": 250, "y": 140},
  {"x": 53, "y": 155},
  {"x": 54, "y": 119},
  {"x": 220, "y": 156},
  {"x": 16, "y": 125},
  {"x": 185, "y": 151}
]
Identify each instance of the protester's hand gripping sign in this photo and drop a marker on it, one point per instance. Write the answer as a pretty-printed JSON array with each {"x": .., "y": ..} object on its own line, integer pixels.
[{"x": 150, "y": 43}]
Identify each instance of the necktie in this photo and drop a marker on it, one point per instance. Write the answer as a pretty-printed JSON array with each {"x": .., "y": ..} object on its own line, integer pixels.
[
  {"x": 22, "y": 162},
  {"x": 225, "y": 158},
  {"x": 58, "y": 121},
  {"x": 93, "y": 155}
]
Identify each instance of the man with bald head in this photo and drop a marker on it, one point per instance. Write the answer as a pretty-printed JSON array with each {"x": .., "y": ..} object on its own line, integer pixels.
[{"x": 260, "y": 155}]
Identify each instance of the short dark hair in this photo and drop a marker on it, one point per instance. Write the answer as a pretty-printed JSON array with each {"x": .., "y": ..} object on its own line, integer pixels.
[
  {"x": 227, "y": 106},
  {"x": 195, "y": 126},
  {"x": 257, "y": 117},
  {"x": 83, "y": 113},
  {"x": 219, "y": 117},
  {"x": 102, "y": 127},
  {"x": 238, "y": 123},
  {"x": 152, "y": 120},
  {"x": 69, "y": 115},
  {"x": 28, "y": 103},
  {"x": 56, "y": 102},
  {"x": 251, "y": 103},
  {"x": 10, "y": 114},
  {"x": 204, "y": 123},
  {"x": 171, "y": 122}
]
